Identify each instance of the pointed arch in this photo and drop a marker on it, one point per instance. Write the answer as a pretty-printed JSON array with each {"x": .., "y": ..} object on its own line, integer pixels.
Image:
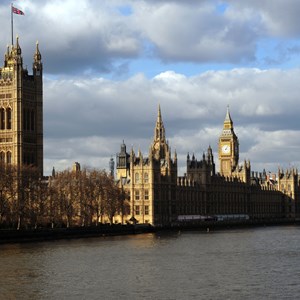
[
  {"x": 8, "y": 118},
  {"x": 2, "y": 118},
  {"x": 8, "y": 157},
  {"x": 2, "y": 157}
]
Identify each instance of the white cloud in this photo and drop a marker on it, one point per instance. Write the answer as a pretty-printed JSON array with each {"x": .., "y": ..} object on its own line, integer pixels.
[{"x": 89, "y": 118}]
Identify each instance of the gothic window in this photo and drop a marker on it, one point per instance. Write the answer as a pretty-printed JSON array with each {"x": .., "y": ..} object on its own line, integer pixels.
[
  {"x": 137, "y": 210},
  {"x": 137, "y": 195},
  {"x": 146, "y": 209},
  {"x": 146, "y": 178},
  {"x": 2, "y": 157},
  {"x": 137, "y": 178},
  {"x": 146, "y": 195},
  {"x": 8, "y": 118},
  {"x": 2, "y": 118},
  {"x": 8, "y": 157},
  {"x": 122, "y": 161}
]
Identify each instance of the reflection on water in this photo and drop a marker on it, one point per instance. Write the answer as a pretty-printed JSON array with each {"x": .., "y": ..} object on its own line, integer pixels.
[{"x": 258, "y": 263}]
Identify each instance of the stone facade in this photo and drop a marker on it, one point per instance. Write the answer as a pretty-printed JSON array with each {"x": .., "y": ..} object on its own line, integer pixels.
[
  {"x": 150, "y": 182},
  {"x": 161, "y": 198},
  {"x": 21, "y": 110}
]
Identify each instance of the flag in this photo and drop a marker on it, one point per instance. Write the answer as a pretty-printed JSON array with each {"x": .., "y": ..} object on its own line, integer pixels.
[{"x": 17, "y": 11}]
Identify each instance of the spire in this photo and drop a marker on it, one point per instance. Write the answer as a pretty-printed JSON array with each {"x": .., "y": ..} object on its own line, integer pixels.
[
  {"x": 210, "y": 156},
  {"x": 18, "y": 46},
  {"x": 53, "y": 172},
  {"x": 16, "y": 50},
  {"x": 159, "y": 133},
  {"x": 160, "y": 147},
  {"x": 37, "y": 54},
  {"x": 228, "y": 124},
  {"x": 228, "y": 119},
  {"x": 139, "y": 153},
  {"x": 159, "y": 114},
  {"x": 37, "y": 61}
]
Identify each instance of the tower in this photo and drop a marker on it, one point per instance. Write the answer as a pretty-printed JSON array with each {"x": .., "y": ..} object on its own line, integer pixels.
[
  {"x": 123, "y": 163},
  {"x": 164, "y": 170},
  {"x": 160, "y": 148},
  {"x": 112, "y": 167},
  {"x": 228, "y": 147},
  {"x": 21, "y": 110}
]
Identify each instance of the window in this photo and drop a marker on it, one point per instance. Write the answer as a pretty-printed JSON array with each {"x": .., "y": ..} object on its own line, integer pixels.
[
  {"x": 146, "y": 178},
  {"x": 146, "y": 210},
  {"x": 2, "y": 157},
  {"x": 2, "y": 116},
  {"x": 137, "y": 178},
  {"x": 137, "y": 210},
  {"x": 8, "y": 157},
  {"x": 137, "y": 195},
  {"x": 146, "y": 195},
  {"x": 8, "y": 118}
]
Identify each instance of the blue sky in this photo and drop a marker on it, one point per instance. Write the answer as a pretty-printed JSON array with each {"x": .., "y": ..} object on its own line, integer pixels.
[{"x": 108, "y": 64}]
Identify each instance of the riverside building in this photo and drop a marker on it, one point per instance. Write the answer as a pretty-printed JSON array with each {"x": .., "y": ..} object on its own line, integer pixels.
[
  {"x": 160, "y": 197},
  {"x": 21, "y": 110}
]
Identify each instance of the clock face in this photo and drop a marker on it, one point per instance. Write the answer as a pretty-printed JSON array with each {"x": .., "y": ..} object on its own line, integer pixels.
[{"x": 226, "y": 149}]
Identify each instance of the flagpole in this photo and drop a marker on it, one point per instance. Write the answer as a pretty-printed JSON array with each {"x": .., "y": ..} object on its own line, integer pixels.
[{"x": 12, "y": 25}]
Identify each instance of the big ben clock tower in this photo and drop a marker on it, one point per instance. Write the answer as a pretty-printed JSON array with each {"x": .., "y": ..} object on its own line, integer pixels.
[{"x": 228, "y": 147}]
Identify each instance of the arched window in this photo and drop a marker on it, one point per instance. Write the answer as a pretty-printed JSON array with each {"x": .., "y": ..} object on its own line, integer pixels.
[
  {"x": 8, "y": 118},
  {"x": 137, "y": 178},
  {"x": 137, "y": 195},
  {"x": 2, "y": 118},
  {"x": 2, "y": 157},
  {"x": 146, "y": 194},
  {"x": 146, "y": 178},
  {"x": 8, "y": 157}
]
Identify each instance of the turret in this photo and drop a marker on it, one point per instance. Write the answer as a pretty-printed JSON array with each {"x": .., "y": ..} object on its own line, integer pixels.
[
  {"x": 111, "y": 167},
  {"x": 123, "y": 163},
  {"x": 37, "y": 62},
  {"x": 210, "y": 160}
]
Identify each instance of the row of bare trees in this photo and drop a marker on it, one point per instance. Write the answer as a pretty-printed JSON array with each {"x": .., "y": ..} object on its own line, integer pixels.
[{"x": 70, "y": 198}]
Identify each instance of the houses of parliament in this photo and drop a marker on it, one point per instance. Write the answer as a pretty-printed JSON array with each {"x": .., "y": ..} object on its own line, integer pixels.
[
  {"x": 157, "y": 195},
  {"x": 21, "y": 110}
]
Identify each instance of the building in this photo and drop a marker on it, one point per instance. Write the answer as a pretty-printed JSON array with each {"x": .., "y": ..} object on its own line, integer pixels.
[
  {"x": 21, "y": 110},
  {"x": 158, "y": 196},
  {"x": 150, "y": 181},
  {"x": 161, "y": 198}
]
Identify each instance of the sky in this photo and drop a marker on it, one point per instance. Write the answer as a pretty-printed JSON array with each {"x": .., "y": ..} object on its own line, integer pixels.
[{"x": 108, "y": 65}]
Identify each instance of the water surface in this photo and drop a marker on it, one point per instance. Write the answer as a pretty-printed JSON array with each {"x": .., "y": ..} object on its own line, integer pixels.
[{"x": 257, "y": 263}]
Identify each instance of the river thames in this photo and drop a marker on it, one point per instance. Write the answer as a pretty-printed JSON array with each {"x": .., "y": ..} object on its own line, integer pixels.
[{"x": 253, "y": 263}]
